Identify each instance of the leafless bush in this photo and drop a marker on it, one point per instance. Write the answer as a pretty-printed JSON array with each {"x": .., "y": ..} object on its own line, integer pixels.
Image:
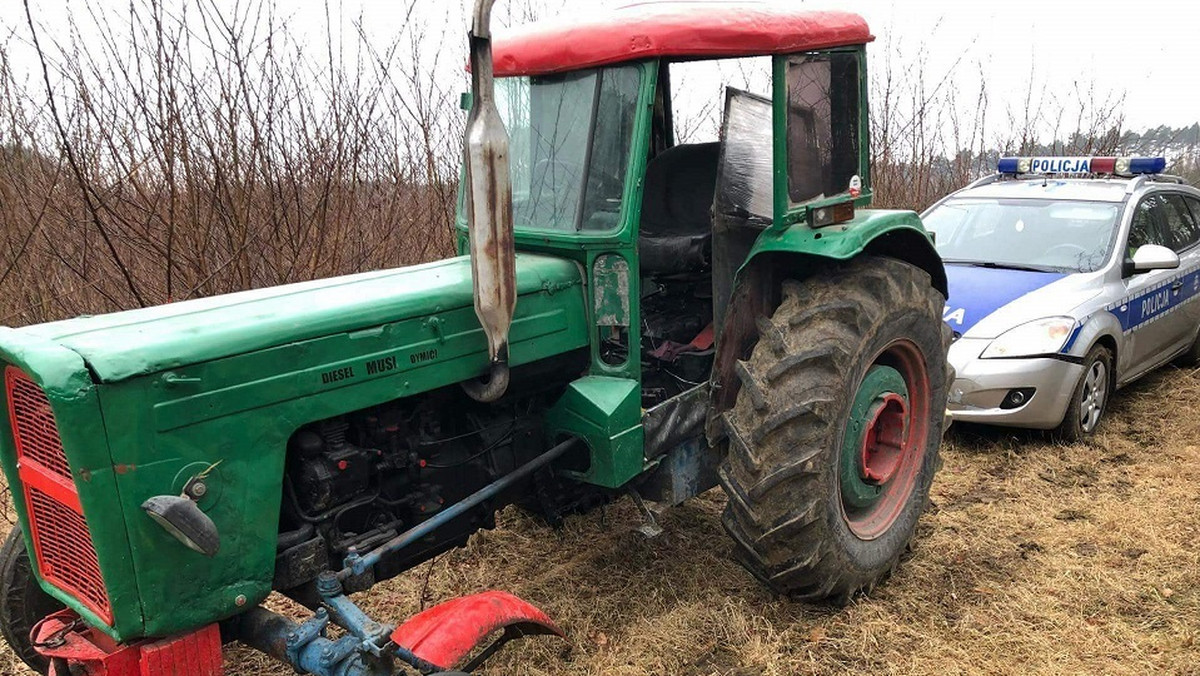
[
  {"x": 197, "y": 152},
  {"x": 932, "y": 135},
  {"x": 190, "y": 150}
]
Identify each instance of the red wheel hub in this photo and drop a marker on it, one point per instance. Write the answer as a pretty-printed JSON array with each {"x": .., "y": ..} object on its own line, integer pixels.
[
  {"x": 886, "y": 439},
  {"x": 883, "y": 443}
]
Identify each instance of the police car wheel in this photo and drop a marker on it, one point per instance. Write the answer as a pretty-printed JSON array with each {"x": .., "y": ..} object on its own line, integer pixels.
[
  {"x": 833, "y": 440},
  {"x": 1090, "y": 399},
  {"x": 22, "y": 602}
]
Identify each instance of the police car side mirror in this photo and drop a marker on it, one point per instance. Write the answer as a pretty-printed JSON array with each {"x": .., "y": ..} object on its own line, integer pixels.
[{"x": 1154, "y": 257}]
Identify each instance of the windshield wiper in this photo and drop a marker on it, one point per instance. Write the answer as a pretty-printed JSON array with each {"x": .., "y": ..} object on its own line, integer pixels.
[{"x": 1002, "y": 266}]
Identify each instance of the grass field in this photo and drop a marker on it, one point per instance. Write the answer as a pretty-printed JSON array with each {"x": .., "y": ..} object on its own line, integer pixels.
[{"x": 1035, "y": 558}]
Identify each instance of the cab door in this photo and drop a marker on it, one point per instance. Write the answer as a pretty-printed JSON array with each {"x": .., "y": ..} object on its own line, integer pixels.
[
  {"x": 1148, "y": 294},
  {"x": 820, "y": 133}
]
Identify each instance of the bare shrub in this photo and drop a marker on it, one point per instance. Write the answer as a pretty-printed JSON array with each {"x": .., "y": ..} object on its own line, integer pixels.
[
  {"x": 190, "y": 150},
  {"x": 195, "y": 152},
  {"x": 931, "y": 135}
]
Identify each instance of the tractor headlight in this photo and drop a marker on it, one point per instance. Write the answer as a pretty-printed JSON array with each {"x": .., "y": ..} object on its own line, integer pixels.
[
  {"x": 1042, "y": 336},
  {"x": 182, "y": 518}
]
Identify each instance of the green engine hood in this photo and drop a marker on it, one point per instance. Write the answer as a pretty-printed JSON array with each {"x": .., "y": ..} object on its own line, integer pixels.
[
  {"x": 137, "y": 342},
  {"x": 145, "y": 399}
]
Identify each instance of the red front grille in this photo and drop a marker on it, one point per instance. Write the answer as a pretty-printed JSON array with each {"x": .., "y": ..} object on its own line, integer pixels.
[
  {"x": 62, "y": 543},
  {"x": 33, "y": 425},
  {"x": 65, "y": 550}
]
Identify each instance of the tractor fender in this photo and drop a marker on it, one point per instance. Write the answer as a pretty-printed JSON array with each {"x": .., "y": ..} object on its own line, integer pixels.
[
  {"x": 796, "y": 252},
  {"x": 891, "y": 233}
]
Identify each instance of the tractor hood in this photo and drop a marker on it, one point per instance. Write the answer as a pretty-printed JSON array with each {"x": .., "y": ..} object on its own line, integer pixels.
[
  {"x": 143, "y": 400},
  {"x": 123, "y": 345}
]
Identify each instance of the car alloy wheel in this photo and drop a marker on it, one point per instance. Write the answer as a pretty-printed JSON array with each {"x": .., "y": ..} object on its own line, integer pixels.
[{"x": 1095, "y": 394}]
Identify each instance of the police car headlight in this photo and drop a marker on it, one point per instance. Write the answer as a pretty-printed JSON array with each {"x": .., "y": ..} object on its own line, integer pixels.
[{"x": 1043, "y": 336}]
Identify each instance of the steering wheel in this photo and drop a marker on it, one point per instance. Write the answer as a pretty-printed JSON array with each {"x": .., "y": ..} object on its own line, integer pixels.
[
  {"x": 560, "y": 167},
  {"x": 604, "y": 183},
  {"x": 1067, "y": 248}
]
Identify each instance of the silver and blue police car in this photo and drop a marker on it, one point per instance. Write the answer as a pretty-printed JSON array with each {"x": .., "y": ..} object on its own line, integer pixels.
[{"x": 1068, "y": 278}]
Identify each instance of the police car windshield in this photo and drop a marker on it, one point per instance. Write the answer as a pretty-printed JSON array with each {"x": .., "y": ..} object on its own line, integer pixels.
[{"x": 1024, "y": 233}]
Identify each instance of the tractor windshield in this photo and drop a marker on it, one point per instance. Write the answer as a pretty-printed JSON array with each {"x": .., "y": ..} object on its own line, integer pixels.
[{"x": 570, "y": 138}]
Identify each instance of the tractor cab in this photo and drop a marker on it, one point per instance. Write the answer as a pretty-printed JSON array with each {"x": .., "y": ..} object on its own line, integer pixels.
[{"x": 663, "y": 226}]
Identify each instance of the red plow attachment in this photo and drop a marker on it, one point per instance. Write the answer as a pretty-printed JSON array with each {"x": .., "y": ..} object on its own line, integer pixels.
[{"x": 446, "y": 633}]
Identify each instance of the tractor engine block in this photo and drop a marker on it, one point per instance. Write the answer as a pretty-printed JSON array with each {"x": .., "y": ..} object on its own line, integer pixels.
[
  {"x": 331, "y": 470},
  {"x": 355, "y": 481}
]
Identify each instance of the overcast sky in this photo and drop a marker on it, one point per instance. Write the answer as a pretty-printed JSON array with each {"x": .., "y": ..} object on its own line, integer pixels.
[{"x": 1147, "y": 51}]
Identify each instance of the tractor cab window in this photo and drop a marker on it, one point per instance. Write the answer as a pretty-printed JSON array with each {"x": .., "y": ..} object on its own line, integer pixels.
[
  {"x": 744, "y": 176},
  {"x": 569, "y": 146},
  {"x": 822, "y": 124}
]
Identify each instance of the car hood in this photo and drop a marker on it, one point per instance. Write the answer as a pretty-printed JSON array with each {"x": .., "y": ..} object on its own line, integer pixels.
[{"x": 985, "y": 302}]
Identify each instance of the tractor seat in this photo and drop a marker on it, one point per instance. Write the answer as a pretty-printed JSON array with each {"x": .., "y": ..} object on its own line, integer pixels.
[{"x": 676, "y": 228}]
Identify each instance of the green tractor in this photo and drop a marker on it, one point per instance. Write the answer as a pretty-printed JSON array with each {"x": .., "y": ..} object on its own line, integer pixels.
[{"x": 629, "y": 315}]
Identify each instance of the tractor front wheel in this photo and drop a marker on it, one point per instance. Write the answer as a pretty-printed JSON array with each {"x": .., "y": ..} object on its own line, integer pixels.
[
  {"x": 834, "y": 438},
  {"x": 22, "y": 602}
]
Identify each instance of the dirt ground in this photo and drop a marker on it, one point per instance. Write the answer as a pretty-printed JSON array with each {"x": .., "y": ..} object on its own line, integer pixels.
[{"x": 1035, "y": 558}]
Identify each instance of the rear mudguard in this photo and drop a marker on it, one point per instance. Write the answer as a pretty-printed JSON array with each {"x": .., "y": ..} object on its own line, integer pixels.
[
  {"x": 896, "y": 234},
  {"x": 794, "y": 252}
]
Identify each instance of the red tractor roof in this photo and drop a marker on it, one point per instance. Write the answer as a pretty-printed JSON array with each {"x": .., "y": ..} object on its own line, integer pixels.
[{"x": 690, "y": 30}]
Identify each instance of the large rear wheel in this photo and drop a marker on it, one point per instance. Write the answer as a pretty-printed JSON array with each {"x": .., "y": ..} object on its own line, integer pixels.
[
  {"x": 834, "y": 437},
  {"x": 22, "y": 602}
]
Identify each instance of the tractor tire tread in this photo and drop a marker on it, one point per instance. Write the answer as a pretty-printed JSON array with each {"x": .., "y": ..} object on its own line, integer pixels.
[
  {"x": 777, "y": 469},
  {"x": 22, "y": 601}
]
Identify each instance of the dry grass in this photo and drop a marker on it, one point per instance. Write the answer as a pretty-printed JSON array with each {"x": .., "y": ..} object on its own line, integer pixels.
[{"x": 1036, "y": 558}]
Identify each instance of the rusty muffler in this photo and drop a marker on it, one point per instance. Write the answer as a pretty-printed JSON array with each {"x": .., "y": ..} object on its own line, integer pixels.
[{"x": 489, "y": 211}]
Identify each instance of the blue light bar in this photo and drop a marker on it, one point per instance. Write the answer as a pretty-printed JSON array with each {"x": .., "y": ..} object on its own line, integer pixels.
[
  {"x": 1008, "y": 165},
  {"x": 1121, "y": 166},
  {"x": 1146, "y": 165}
]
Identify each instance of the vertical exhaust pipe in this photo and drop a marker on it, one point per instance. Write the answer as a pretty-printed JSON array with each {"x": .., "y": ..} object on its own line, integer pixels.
[{"x": 489, "y": 211}]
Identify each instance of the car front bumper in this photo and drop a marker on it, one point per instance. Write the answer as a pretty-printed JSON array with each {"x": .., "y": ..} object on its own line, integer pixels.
[{"x": 981, "y": 385}]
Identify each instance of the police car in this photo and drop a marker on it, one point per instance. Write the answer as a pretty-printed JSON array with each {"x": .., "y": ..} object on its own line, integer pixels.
[{"x": 1068, "y": 278}]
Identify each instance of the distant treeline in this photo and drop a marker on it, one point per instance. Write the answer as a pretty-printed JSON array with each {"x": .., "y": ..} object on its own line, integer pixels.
[
  {"x": 1163, "y": 139},
  {"x": 945, "y": 173}
]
